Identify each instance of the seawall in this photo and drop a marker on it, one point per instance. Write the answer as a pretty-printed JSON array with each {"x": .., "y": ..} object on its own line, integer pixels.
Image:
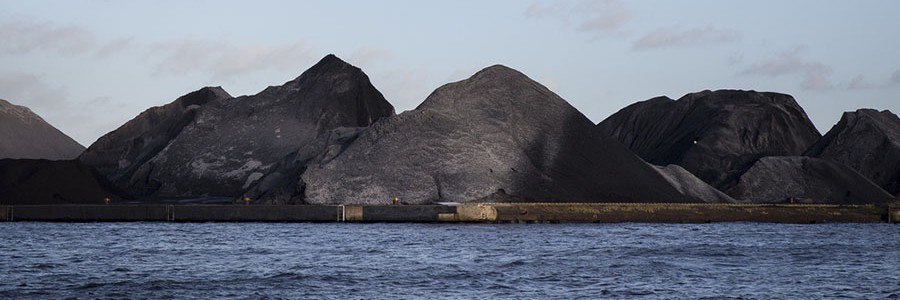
[{"x": 482, "y": 213}]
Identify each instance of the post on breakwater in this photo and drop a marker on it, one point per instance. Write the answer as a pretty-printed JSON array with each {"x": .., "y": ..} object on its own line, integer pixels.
[
  {"x": 170, "y": 213},
  {"x": 6, "y": 213},
  {"x": 893, "y": 214}
]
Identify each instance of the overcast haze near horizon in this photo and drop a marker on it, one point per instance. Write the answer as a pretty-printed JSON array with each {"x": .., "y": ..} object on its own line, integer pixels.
[{"x": 87, "y": 67}]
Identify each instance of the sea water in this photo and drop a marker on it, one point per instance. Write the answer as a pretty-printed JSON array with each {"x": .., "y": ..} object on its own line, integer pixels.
[{"x": 448, "y": 261}]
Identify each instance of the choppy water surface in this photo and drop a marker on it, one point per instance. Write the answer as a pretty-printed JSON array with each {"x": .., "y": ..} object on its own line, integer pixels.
[{"x": 448, "y": 261}]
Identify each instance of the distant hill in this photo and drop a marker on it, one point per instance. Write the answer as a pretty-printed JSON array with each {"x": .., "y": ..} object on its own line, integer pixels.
[{"x": 24, "y": 134}]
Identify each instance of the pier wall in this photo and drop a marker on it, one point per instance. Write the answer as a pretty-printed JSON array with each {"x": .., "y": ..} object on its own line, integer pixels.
[
  {"x": 482, "y": 212},
  {"x": 689, "y": 213}
]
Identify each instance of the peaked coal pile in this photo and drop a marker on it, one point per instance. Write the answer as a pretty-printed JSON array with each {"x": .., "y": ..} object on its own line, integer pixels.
[
  {"x": 498, "y": 136},
  {"x": 807, "y": 180},
  {"x": 120, "y": 153},
  {"x": 715, "y": 135},
  {"x": 867, "y": 141},
  {"x": 226, "y": 144},
  {"x": 24, "y": 134},
  {"x": 38, "y": 181}
]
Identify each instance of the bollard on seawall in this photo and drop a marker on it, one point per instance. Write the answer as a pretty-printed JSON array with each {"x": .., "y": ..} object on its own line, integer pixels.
[{"x": 893, "y": 214}]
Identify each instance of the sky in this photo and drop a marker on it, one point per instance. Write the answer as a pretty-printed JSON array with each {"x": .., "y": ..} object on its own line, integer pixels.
[{"x": 88, "y": 67}]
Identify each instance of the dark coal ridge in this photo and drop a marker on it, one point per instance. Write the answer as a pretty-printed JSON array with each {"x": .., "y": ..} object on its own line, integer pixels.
[
  {"x": 497, "y": 136},
  {"x": 867, "y": 141},
  {"x": 228, "y": 144},
  {"x": 713, "y": 134},
  {"x": 38, "y": 181},
  {"x": 120, "y": 153},
  {"x": 807, "y": 180},
  {"x": 283, "y": 185}
]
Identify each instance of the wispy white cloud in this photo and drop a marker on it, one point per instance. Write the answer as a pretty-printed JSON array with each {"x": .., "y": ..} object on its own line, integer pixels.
[
  {"x": 672, "y": 37},
  {"x": 813, "y": 75},
  {"x": 23, "y": 36},
  {"x": 860, "y": 82},
  {"x": 30, "y": 90},
  {"x": 224, "y": 60},
  {"x": 601, "y": 16},
  {"x": 370, "y": 55},
  {"x": 81, "y": 120},
  {"x": 115, "y": 46},
  {"x": 598, "y": 18},
  {"x": 540, "y": 10},
  {"x": 783, "y": 63}
]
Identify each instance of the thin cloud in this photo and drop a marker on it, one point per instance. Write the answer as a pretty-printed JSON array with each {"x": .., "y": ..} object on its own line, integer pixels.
[
  {"x": 22, "y": 37},
  {"x": 115, "y": 46},
  {"x": 673, "y": 37},
  {"x": 540, "y": 10},
  {"x": 83, "y": 121},
  {"x": 860, "y": 82},
  {"x": 813, "y": 75},
  {"x": 223, "y": 60},
  {"x": 29, "y": 90},
  {"x": 599, "y": 18},
  {"x": 370, "y": 55}
]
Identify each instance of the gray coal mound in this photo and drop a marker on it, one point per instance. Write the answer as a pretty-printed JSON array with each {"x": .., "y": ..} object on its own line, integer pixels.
[
  {"x": 221, "y": 146},
  {"x": 807, "y": 180},
  {"x": 24, "y": 134},
  {"x": 714, "y": 135},
  {"x": 120, "y": 153},
  {"x": 867, "y": 141},
  {"x": 497, "y": 136}
]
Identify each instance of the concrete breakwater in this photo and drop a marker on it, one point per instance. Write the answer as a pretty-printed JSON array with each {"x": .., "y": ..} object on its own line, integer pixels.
[{"x": 480, "y": 212}]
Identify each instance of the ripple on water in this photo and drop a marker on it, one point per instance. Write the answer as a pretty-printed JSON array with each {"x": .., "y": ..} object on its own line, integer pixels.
[{"x": 448, "y": 261}]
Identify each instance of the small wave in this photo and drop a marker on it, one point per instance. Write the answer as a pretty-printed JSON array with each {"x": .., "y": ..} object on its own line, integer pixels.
[
  {"x": 515, "y": 263},
  {"x": 90, "y": 285},
  {"x": 285, "y": 275}
]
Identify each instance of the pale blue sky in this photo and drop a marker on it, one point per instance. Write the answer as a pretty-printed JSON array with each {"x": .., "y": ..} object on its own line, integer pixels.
[{"x": 89, "y": 66}]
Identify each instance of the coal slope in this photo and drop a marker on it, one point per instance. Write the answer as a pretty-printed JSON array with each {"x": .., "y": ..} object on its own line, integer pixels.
[
  {"x": 24, "y": 134},
  {"x": 807, "y": 180},
  {"x": 497, "y": 136},
  {"x": 230, "y": 143},
  {"x": 867, "y": 141},
  {"x": 38, "y": 181},
  {"x": 120, "y": 153},
  {"x": 715, "y": 135}
]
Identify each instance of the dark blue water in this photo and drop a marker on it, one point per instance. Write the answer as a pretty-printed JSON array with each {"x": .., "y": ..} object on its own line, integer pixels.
[{"x": 455, "y": 261}]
